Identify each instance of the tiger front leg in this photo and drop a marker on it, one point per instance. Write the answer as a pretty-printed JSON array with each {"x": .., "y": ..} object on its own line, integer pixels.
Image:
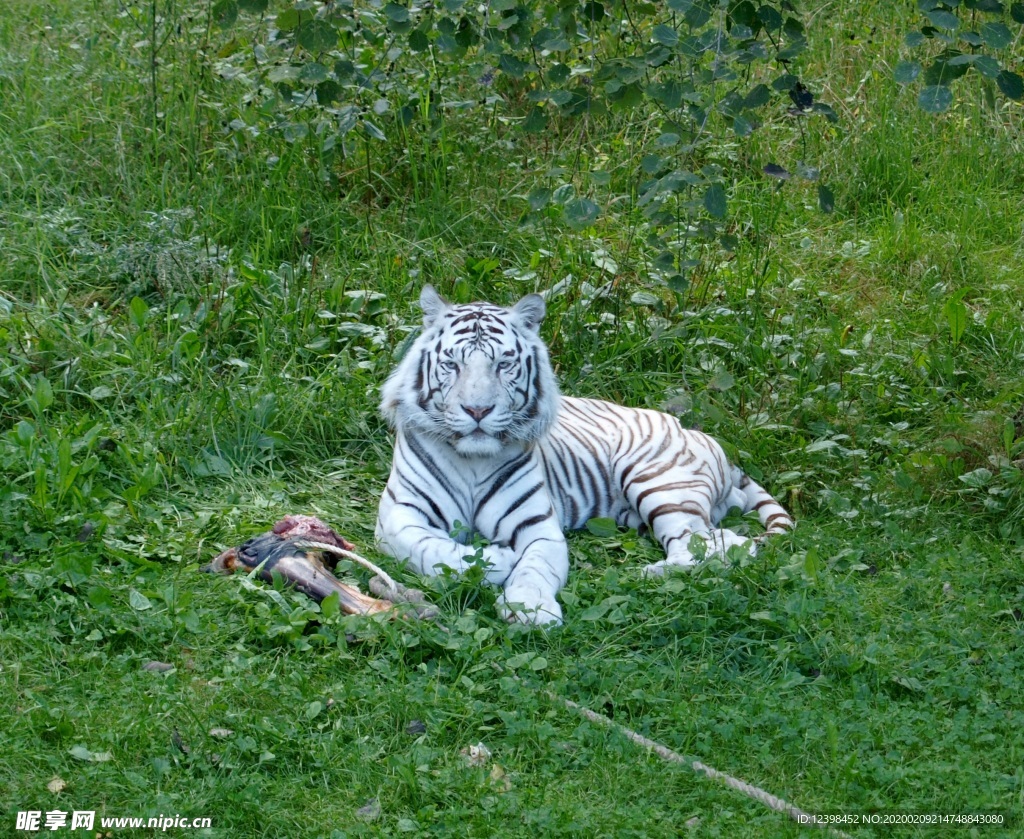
[
  {"x": 530, "y": 591},
  {"x": 403, "y": 534}
]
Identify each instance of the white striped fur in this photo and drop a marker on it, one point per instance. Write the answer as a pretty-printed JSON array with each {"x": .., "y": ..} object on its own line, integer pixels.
[{"x": 483, "y": 439}]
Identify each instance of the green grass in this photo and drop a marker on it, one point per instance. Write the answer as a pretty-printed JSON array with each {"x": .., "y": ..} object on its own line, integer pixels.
[{"x": 191, "y": 342}]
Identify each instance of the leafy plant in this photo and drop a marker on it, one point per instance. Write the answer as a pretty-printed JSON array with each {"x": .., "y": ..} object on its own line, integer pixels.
[
  {"x": 960, "y": 37},
  {"x": 339, "y": 79}
]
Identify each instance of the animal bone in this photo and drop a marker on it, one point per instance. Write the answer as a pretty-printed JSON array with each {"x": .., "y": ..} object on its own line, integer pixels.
[{"x": 303, "y": 550}]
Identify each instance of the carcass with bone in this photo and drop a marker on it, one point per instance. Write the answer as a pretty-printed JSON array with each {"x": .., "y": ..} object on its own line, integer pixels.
[{"x": 303, "y": 551}]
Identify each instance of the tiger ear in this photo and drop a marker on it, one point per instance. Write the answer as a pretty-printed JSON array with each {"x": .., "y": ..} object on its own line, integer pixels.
[
  {"x": 432, "y": 304},
  {"x": 531, "y": 311}
]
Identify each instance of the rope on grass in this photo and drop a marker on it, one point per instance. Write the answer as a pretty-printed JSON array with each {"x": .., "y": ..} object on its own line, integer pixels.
[
  {"x": 773, "y": 802},
  {"x": 392, "y": 586}
]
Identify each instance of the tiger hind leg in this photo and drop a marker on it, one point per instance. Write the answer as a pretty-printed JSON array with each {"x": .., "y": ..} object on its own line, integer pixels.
[
  {"x": 682, "y": 527},
  {"x": 684, "y": 552}
]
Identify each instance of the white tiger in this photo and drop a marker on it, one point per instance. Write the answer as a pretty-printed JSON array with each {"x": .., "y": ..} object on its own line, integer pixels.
[{"x": 484, "y": 439}]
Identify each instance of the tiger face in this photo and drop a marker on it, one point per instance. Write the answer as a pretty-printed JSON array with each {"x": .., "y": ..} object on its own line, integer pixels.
[{"x": 478, "y": 377}]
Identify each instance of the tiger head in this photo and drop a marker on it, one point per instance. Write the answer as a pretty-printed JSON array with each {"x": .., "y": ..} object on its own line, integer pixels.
[{"x": 477, "y": 377}]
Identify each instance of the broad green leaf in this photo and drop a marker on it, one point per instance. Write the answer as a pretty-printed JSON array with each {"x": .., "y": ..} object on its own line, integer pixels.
[
  {"x": 581, "y": 212},
  {"x": 253, "y": 7},
  {"x": 812, "y": 563},
  {"x": 329, "y": 92},
  {"x": 652, "y": 163},
  {"x": 996, "y": 35},
  {"x": 288, "y": 19},
  {"x": 373, "y": 131},
  {"x": 603, "y": 527},
  {"x": 284, "y": 73},
  {"x": 564, "y": 193},
  {"x": 330, "y": 606},
  {"x": 519, "y": 660},
  {"x": 137, "y": 312},
  {"x": 956, "y": 317},
  {"x": 552, "y": 40},
  {"x": 558, "y": 73},
  {"x": 230, "y": 48},
  {"x": 698, "y": 14},
  {"x": 759, "y": 96},
  {"x": 418, "y": 41},
  {"x": 715, "y": 201},
  {"x": 25, "y": 432},
  {"x": 942, "y": 19},
  {"x": 1011, "y": 85},
  {"x": 665, "y": 35},
  {"x": 987, "y": 66},
  {"x": 295, "y": 131},
  {"x": 770, "y": 17},
  {"x": 82, "y": 753},
  {"x": 625, "y": 96},
  {"x": 784, "y": 83},
  {"x": 536, "y": 120},
  {"x": 744, "y": 127},
  {"x": 935, "y": 99},
  {"x": 978, "y": 478},
  {"x": 644, "y": 298},
  {"x": 313, "y": 73},
  {"x": 910, "y": 683},
  {"x": 138, "y": 601},
  {"x": 596, "y": 612},
  {"x": 826, "y": 200},
  {"x": 396, "y": 13},
  {"x": 790, "y": 681},
  {"x": 678, "y": 284},
  {"x": 744, "y": 14},
  {"x": 722, "y": 380},
  {"x": 42, "y": 394},
  {"x": 593, "y": 11},
  {"x": 906, "y": 72},
  {"x": 538, "y": 198},
  {"x": 668, "y": 93},
  {"x": 317, "y": 36},
  {"x": 513, "y": 66},
  {"x": 225, "y": 13},
  {"x": 1009, "y": 435}
]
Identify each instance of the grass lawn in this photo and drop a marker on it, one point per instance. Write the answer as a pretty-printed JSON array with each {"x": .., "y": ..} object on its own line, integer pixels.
[{"x": 203, "y": 289}]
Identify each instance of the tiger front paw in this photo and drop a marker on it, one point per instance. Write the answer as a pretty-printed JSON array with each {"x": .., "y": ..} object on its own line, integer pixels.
[
  {"x": 536, "y": 610},
  {"x": 679, "y": 562}
]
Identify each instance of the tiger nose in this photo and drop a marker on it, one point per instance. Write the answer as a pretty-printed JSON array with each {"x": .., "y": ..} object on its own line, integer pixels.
[{"x": 478, "y": 413}]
